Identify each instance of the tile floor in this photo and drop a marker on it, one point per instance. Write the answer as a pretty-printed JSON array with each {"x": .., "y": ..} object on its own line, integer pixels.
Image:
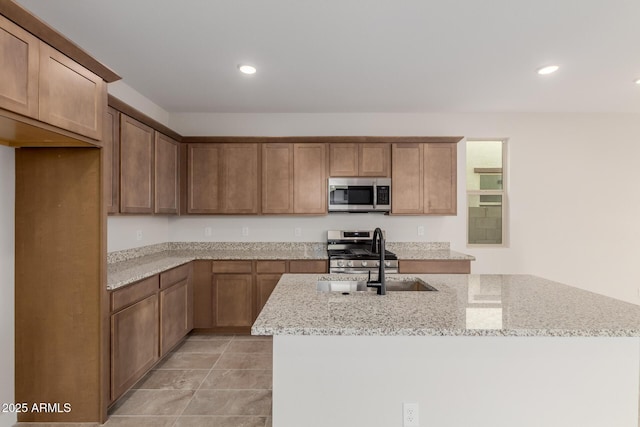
[{"x": 208, "y": 381}]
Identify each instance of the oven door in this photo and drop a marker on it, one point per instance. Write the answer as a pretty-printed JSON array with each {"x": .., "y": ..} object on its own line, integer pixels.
[{"x": 351, "y": 198}]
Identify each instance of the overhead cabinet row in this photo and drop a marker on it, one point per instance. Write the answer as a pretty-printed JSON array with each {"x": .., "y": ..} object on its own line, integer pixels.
[
  {"x": 40, "y": 83},
  {"x": 142, "y": 167}
]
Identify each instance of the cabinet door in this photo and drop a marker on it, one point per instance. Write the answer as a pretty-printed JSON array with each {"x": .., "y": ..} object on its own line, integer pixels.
[
  {"x": 202, "y": 294},
  {"x": 374, "y": 159},
  {"x": 308, "y": 266},
  {"x": 232, "y": 300},
  {"x": 19, "y": 69},
  {"x": 176, "y": 315},
  {"x": 407, "y": 179},
  {"x": 343, "y": 159},
  {"x": 136, "y": 166},
  {"x": 309, "y": 179},
  {"x": 240, "y": 179},
  {"x": 277, "y": 178},
  {"x": 166, "y": 175},
  {"x": 111, "y": 147},
  {"x": 203, "y": 178},
  {"x": 440, "y": 173},
  {"x": 134, "y": 343},
  {"x": 265, "y": 284},
  {"x": 71, "y": 97}
]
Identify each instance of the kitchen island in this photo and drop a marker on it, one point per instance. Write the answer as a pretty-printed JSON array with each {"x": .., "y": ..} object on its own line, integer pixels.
[{"x": 482, "y": 350}]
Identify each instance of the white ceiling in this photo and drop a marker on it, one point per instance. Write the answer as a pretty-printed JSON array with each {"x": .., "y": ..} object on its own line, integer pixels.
[{"x": 364, "y": 55}]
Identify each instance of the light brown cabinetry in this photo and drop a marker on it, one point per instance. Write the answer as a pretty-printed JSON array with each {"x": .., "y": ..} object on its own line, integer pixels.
[
  {"x": 134, "y": 337},
  {"x": 176, "y": 307},
  {"x": 166, "y": 175},
  {"x": 40, "y": 82},
  {"x": 359, "y": 159},
  {"x": 424, "y": 179},
  {"x": 309, "y": 179},
  {"x": 277, "y": 178},
  {"x": 111, "y": 150},
  {"x": 19, "y": 69},
  {"x": 136, "y": 166},
  {"x": 71, "y": 97},
  {"x": 229, "y": 295},
  {"x": 223, "y": 178},
  {"x": 232, "y": 294},
  {"x": 434, "y": 266}
]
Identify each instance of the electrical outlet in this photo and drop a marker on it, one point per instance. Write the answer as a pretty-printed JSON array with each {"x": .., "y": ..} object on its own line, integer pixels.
[
  {"x": 297, "y": 231},
  {"x": 245, "y": 231},
  {"x": 421, "y": 230},
  {"x": 139, "y": 235},
  {"x": 410, "y": 415},
  {"x": 208, "y": 231}
]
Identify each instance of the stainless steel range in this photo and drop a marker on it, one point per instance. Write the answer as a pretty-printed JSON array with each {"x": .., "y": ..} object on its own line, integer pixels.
[{"x": 351, "y": 252}]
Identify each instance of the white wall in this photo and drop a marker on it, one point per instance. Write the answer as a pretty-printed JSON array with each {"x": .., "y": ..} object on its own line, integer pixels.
[
  {"x": 573, "y": 205},
  {"x": 122, "y": 231},
  {"x": 7, "y": 283},
  {"x": 132, "y": 97}
]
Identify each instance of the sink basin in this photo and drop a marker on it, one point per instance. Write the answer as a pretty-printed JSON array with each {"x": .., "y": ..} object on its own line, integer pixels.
[{"x": 348, "y": 286}]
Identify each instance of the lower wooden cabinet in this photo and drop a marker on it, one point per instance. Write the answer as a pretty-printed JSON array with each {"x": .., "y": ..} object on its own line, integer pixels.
[
  {"x": 229, "y": 295},
  {"x": 435, "y": 266},
  {"x": 148, "y": 319},
  {"x": 134, "y": 344}
]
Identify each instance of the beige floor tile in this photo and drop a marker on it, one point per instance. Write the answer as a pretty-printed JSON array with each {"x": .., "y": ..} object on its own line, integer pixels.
[
  {"x": 250, "y": 346},
  {"x": 230, "y": 402},
  {"x": 188, "y": 361},
  {"x": 209, "y": 337},
  {"x": 244, "y": 361},
  {"x": 249, "y": 379},
  {"x": 57, "y": 425},
  {"x": 172, "y": 379},
  {"x": 140, "y": 421},
  {"x": 204, "y": 346},
  {"x": 153, "y": 402},
  {"x": 220, "y": 421},
  {"x": 253, "y": 337}
]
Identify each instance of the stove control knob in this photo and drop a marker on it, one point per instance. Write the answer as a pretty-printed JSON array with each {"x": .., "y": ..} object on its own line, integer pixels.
[
  {"x": 364, "y": 263},
  {"x": 340, "y": 263},
  {"x": 350, "y": 263},
  {"x": 377, "y": 263},
  {"x": 387, "y": 263}
]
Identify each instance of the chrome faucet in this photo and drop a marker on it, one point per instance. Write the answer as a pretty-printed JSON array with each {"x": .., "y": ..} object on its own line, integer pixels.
[{"x": 379, "y": 284}]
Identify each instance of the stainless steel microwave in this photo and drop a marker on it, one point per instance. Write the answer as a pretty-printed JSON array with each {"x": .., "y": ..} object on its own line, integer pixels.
[{"x": 359, "y": 194}]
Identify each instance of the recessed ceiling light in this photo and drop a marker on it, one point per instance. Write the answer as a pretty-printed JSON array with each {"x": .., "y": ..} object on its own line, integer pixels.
[
  {"x": 548, "y": 69},
  {"x": 247, "y": 69},
  {"x": 637, "y": 81}
]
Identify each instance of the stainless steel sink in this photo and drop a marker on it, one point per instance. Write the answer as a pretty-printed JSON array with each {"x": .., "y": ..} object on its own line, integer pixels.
[{"x": 348, "y": 286}]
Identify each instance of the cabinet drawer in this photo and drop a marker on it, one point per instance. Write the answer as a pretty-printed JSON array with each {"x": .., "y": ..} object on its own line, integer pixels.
[
  {"x": 232, "y": 267},
  {"x": 175, "y": 275},
  {"x": 308, "y": 266},
  {"x": 271, "y": 267},
  {"x": 435, "y": 266},
  {"x": 123, "y": 297}
]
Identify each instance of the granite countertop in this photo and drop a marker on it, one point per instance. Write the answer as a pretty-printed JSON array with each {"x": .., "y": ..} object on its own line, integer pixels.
[
  {"x": 129, "y": 266},
  {"x": 464, "y": 305}
]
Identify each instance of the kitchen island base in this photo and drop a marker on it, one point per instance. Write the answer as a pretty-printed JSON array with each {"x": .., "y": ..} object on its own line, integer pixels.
[{"x": 477, "y": 381}]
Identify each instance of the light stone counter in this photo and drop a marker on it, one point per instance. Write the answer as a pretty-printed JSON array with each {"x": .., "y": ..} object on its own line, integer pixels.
[
  {"x": 464, "y": 305},
  {"x": 128, "y": 266}
]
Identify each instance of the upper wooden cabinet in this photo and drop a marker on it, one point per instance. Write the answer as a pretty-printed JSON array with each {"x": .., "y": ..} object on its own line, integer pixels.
[
  {"x": 223, "y": 178},
  {"x": 277, "y": 178},
  {"x": 41, "y": 83},
  {"x": 19, "y": 69},
  {"x": 440, "y": 179},
  {"x": 363, "y": 159},
  {"x": 424, "y": 179},
  {"x": 309, "y": 179},
  {"x": 166, "y": 175},
  {"x": 71, "y": 97},
  {"x": 111, "y": 150},
  {"x": 136, "y": 166}
]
